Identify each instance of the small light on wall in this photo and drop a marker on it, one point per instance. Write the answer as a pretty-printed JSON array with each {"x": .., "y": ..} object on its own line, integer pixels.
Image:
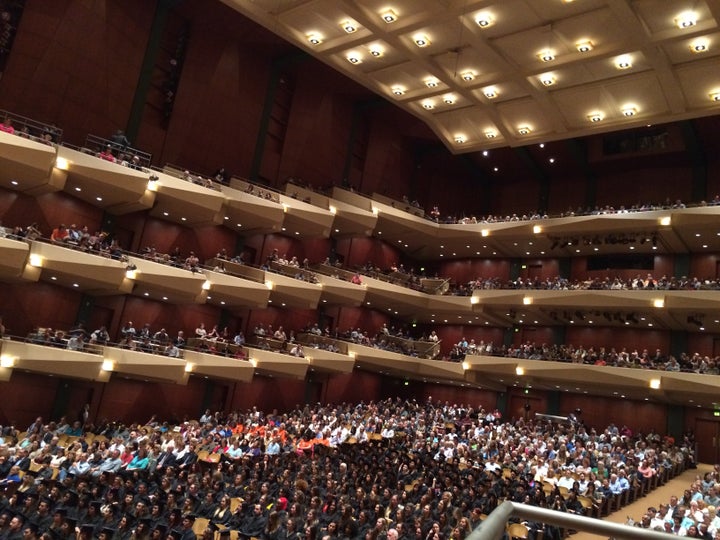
[
  {"x": 35, "y": 260},
  {"x": 206, "y": 285},
  {"x": 7, "y": 361},
  {"x": 484, "y": 232},
  {"x": 527, "y": 300},
  {"x": 659, "y": 303},
  {"x": 389, "y": 16},
  {"x": 189, "y": 367},
  {"x": 655, "y": 384},
  {"x": 665, "y": 221},
  {"x": 269, "y": 284},
  {"x": 61, "y": 163},
  {"x": 474, "y": 300},
  {"x": 537, "y": 229},
  {"x": 584, "y": 46},
  {"x": 466, "y": 365},
  {"x": 107, "y": 365},
  {"x": 253, "y": 362},
  {"x": 333, "y": 211},
  {"x": 519, "y": 370}
]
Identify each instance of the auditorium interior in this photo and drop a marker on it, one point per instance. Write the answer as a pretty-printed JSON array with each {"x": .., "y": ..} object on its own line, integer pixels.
[{"x": 480, "y": 169}]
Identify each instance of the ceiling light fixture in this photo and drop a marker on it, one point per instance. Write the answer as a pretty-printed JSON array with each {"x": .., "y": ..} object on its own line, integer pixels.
[
  {"x": 584, "y": 46},
  {"x": 629, "y": 110},
  {"x": 354, "y": 58},
  {"x": 546, "y": 55},
  {"x": 547, "y": 79},
  {"x": 421, "y": 40},
  {"x": 389, "y": 16},
  {"x": 490, "y": 134},
  {"x": 524, "y": 130},
  {"x": 484, "y": 20},
  {"x": 349, "y": 26},
  {"x": 398, "y": 90},
  {"x": 429, "y": 105},
  {"x": 314, "y": 38},
  {"x": 699, "y": 45},
  {"x": 623, "y": 62},
  {"x": 490, "y": 92},
  {"x": 686, "y": 19},
  {"x": 468, "y": 76},
  {"x": 376, "y": 50},
  {"x": 715, "y": 95},
  {"x": 595, "y": 117},
  {"x": 460, "y": 139},
  {"x": 449, "y": 99}
]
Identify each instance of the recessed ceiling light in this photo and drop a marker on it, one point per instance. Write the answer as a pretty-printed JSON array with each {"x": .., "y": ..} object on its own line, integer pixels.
[
  {"x": 99, "y": 199},
  {"x": 314, "y": 38},
  {"x": 699, "y": 45},
  {"x": 629, "y": 110},
  {"x": 78, "y": 189},
  {"x": 183, "y": 219},
  {"x": 146, "y": 294},
  {"x": 165, "y": 297},
  {"x": 686, "y": 19},
  {"x": 421, "y": 40},
  {"x": 165, "y": 214},
  {"x": 354, "y": 58},
  {"x": 431, "y": 82},
  {"x": 524, "y": 130},
  {"x": 546, "y": 55},
  {"x": 449, "y": 99},
  {"x": 398, "y": 90},
  {"x": 349, "y": 26},
  {"x": 239, "y": 224},
  {"x": 495, "y": 169},
  {"x": 547, "y": 79},
  {"x": 376, "y": 50},
  {"x": 623, "y": 62},
  {"x": 460, "y": 139},
  {"x": 468, "y": 76},
  {"x": 76, "y": 285},
  {"x": 389, "y": 16},
  {"x": 551, "y": 160},
  {"x": 490, "y": 134},
  {"x": 483, "y": 20},
  {"x": 584, "y": 46},
  {"x": 595, "y": 117},
  {"x": 429, "y": 105},
  {"x": 715, "y": 96},
  {"x": 54, "y": 278},
  {"x": 490, "y": 92}
]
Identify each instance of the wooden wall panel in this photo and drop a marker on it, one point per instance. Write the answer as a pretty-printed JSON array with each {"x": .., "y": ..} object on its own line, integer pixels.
[
  {"x": 76, "y": 64},
  {"x": 26, "y": 306}
]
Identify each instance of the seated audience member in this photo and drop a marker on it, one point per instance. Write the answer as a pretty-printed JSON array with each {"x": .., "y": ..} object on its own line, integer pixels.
[
  {"x": 107, "y": 154},
  {"x": 7, "y": 126},
  {"x": 59, "y": 235}
]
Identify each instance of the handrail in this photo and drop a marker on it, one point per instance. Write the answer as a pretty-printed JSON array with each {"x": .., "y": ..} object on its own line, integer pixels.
[
  {"x": 97, "y": 144},
  {"x": 35, "y": 129},
  {"x": 493, "y": 527}
]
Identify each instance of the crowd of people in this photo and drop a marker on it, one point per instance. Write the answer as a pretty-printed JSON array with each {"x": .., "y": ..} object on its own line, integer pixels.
[{"x": 393, "y": 469}]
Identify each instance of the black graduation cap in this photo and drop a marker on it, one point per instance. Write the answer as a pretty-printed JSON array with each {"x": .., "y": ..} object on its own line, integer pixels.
[
  {"x": 108, "y": 531},
  {"x": 88, "y": 528},
  {"x": 71, "y": 521},
  {"x": 61, "y": 511},
  {"x": 191, "y": 517},
  {"x": 96, "y": 505},
  {"x": 175, "y": 534},
  {"x": 162, "y": 527}
]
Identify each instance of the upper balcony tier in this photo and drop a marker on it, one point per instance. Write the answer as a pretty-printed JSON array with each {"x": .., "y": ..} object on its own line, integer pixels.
[{"x": 34, "y": 168}]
